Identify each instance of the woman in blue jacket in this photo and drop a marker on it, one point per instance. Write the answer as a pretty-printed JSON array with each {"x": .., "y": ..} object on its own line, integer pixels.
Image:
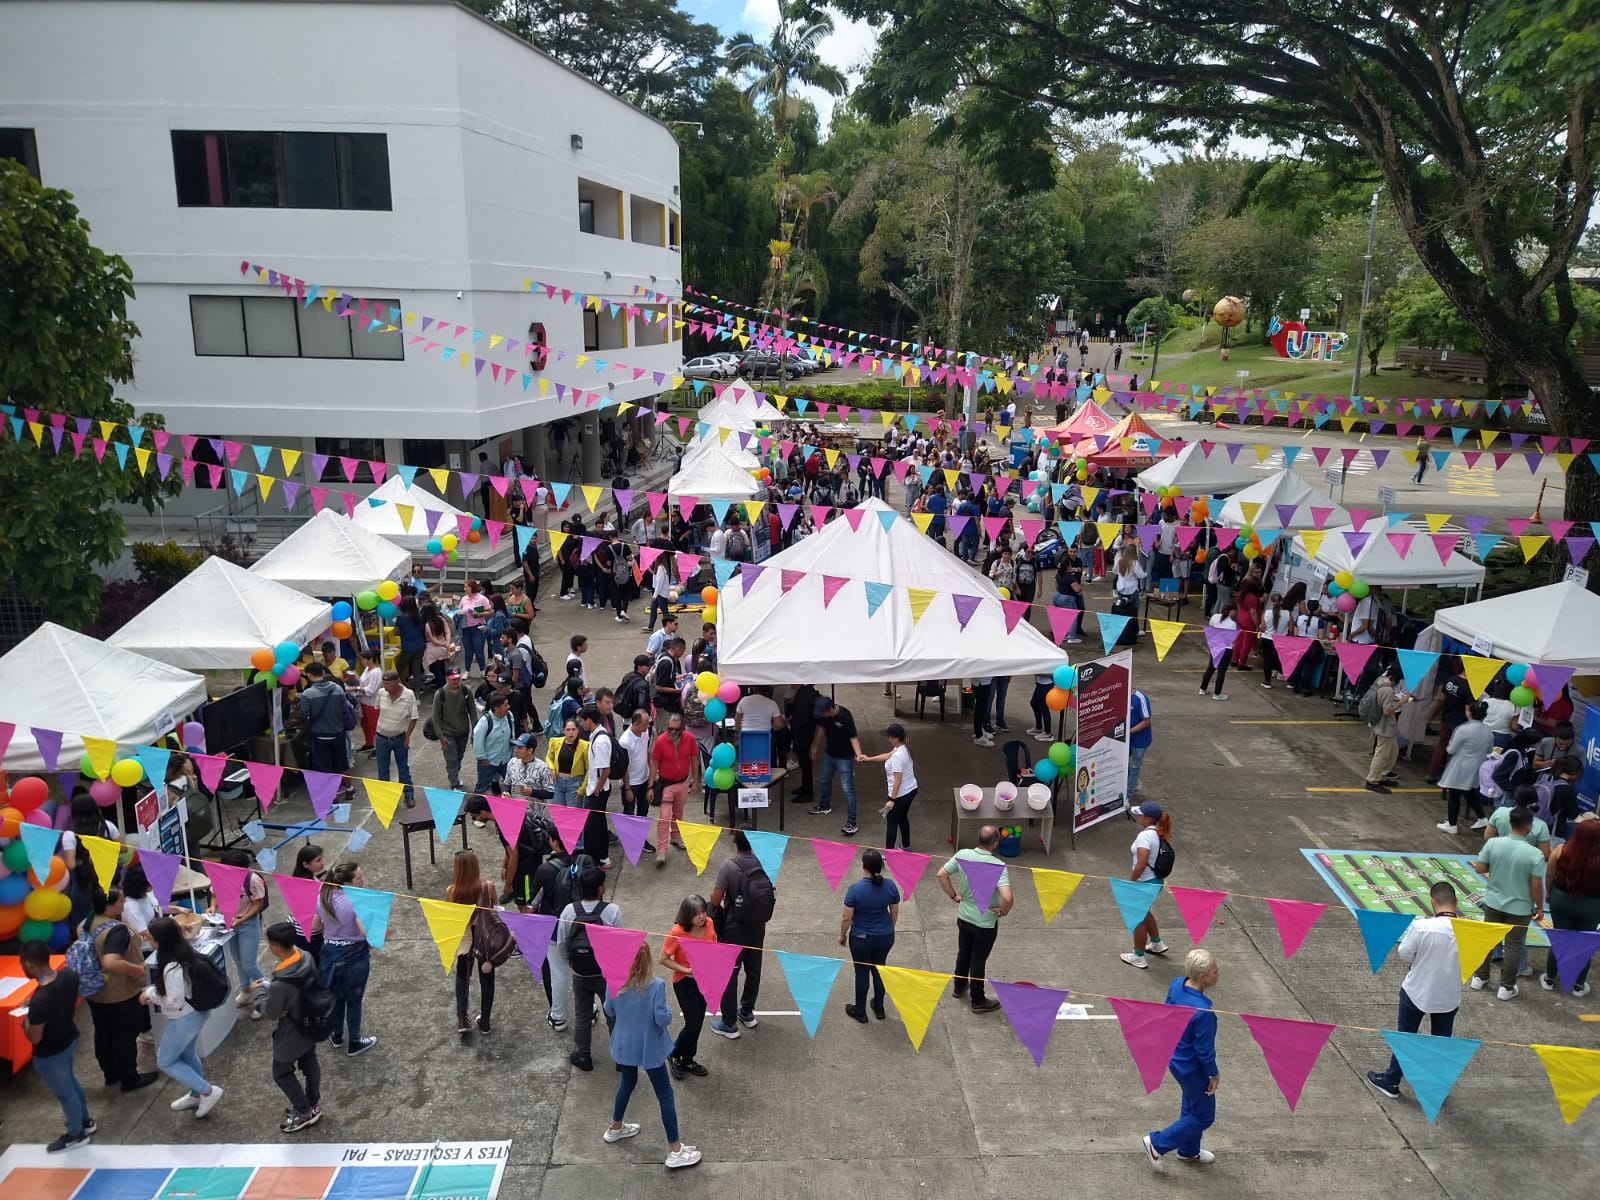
[
  {"x": 1193, "y": 1065},
  {"x": 639, "y": 1019}
]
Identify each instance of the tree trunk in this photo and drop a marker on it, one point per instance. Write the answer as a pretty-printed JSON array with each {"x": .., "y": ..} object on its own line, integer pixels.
[{"x": 1571, "y": 410}]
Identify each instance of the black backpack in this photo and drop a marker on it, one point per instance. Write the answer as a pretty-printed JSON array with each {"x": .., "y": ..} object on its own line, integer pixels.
[
  {"x": 313, "y": 1009},
  {"x": 1161, "y": 864},
  {"x": 632, "y": 694},
  {"x": 580, "y": 950},
  {"x": 750, "y": 905},
  {"x": 564, "y": 886},
  {"x": 208, "y": 987},
  {"x": 619, "y": 760}
]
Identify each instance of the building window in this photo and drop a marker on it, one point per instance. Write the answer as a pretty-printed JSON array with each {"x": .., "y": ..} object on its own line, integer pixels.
[
  {"x": 280, "y": 327},
  {"x": 248, "y": 169},
  {"x": 600, "y": 209},
  {"x": 591, "y": 330},
  {"x": 360, "y": 449},
  {"x": 647, "y": 222},
  {"x": 674, "y": 229},
  {"x": 425, "y": 452},
  {"x": 585, "y": 215},
  {"x": 18, "y": 145}
]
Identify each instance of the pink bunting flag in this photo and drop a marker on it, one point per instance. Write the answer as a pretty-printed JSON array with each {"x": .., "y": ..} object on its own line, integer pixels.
[
  {"x": 853, "y": 517},
  {"x": 835, "y": 859},
  {"x": 1014, "y": 611},
  {"x": 532, "y": 932},
  {"x": 509, "y": 812},
  {"x": 1063, "y": 622},
  {"x": 7, "y": 729},
  {"x": 787, "y": 579},
  {"x": 1290, "y": 650},
  {"x": 1444, "y": 545},
  {"x": 1197, "y": 907},
  {"x": 210, "y": 768},
  {"x": 711, "y": 965},
  {"x": 830, "y": 588},
  {"x": 1151, "y": 1031},
  {"x": 631, "y": 832},
  {"x": 264, "y": 779},
  {"x": 1401, "y": 542},
  {"x": 321, "y": 786},
  {"x": 569, "y": 823},
  {"x": 300, "y": 897},
  {"x": 226, "y": 885},
  {"x": 162, "y": 872},
  {"x": 1032, "y": 1013},
  {"x": 1353, "y": 658},
  {"x": 1220, "y": 642},
  {"x": 1294, "y": 919},
  {"x": 687, "y": 565},
  {"x": 907, "y": 867},
  {"x": 614, "y": 949},
  {"x": 1290, "y": 1048}
]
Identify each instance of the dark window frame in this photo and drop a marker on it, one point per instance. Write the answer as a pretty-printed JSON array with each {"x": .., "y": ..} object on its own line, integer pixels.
[
  {"x": 299, "y": 309},
  {"x": 27, "y": 149},
  {"x": 330, "y": 171}
]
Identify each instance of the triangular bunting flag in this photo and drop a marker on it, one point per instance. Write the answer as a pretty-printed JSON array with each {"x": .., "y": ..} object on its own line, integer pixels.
[
  {"x": 1165, "y": 635},
  {"x": 614, "y": 950},
  {"x": 509, "y": 812},
  {"x": 532, "y": 932},
  {"x": 1474, "y": 940},
  {"x": 834, "y": 858},
  {"x": 299, "y": 895},
  {"x": 632, "y": 832},
  {"x": 1574, "y": 1075},
  {"x": 711, "y": 964},
  {"x": 1055, "y": 888},
  {"x": 1294, "y": 919},
  {"x": 1111, "y": 629},
  {"x": 1198, "y": 907},
  {"x": 1151, "y": 1031},
  {"x": 768, "y": 849},
  {"x": 1480, "y": 672},
  {"x": 1032, "y": 1013},
  {"x": 1134, "y": 899},
  {"x": 907, "y": 867},
  {"x": 384, "y": 796},
  {"x": 1290, "y": 1048},
  {"x": 226, "y": 885},
  {"x": 698, "y": 841},
  {"x": 447, "y": 922},
  {"x": 916, "y": 994},
  {"x": 1573, "y": 948},
  {"x": 569, "y": 823},
  {"x": 810, "y": 980},
  {"x": 1380, "y": 931},
  {"x": 1431, "y": 1065},
  {"x": 39, "y": 842},
  {"x": 162, "y": 872},
  {"x": 982, "y": 878}
]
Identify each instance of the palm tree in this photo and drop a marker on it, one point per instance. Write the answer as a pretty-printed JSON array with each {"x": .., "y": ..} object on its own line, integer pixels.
[{"x": 789, "y": 57}]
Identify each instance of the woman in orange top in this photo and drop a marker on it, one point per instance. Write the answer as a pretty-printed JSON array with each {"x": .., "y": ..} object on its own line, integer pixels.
[{"x": 694, "y": 921}]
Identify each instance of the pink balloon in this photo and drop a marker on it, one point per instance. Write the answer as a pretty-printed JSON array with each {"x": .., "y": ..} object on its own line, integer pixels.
[
  {"x": 290, "y": 676},
  {"x": 440, "y": 560},
  {"x": 1345, "y": 603},
  {"x": 37, "y": 817},
  {"x": 728, "y": 693},
  {"x": 105, "y": 792}
]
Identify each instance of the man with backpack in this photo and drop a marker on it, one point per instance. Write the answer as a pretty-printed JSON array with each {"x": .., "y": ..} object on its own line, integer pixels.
[
  {"x": 1378, "y": 708},
  {"x": 329, "y": 715},
  {"x": 551, "y": 891},
  {"x": 736, "y": 545},
  {"x": 491, "y": 743},
  {"x": 634, "y": 690},
  {"x": 976, "y": 928},
  {"x": 454, "y": 714},
  {"x": 577, "y": 952},
  {"x": 299, "y": 1005},
  {"x": 607, "y": 761},
  {"x": 743, "y": 899}
]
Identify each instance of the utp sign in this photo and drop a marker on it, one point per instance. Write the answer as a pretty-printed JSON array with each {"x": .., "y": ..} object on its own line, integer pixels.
[{"x": 1589, "y": 785}]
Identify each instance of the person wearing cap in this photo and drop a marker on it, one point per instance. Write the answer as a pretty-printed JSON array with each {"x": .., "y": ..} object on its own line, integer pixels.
[
  {"x": 454, "y": 714},
  {"x": 837, "y": 747},
  {"x": 526, "y": 773},
  {"x": 1155, "y": 827},
  {"x": 976, "y": 928},
  {"x": 900, "y": 781},
  {"x": 1385, "y": 733}
]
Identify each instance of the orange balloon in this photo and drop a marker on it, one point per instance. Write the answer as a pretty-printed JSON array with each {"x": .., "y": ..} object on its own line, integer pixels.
[
  {"x": 58, "y": 872},
  {"x": 10, "y": 822},
  {"x": 262, "y": 659},
  {"x": 474, "y": 536},
  {"x": 708, "y": 595},
  {"x": 1200, "y": 555},
  {"x": 11, "y": 919},
  {"x": 1056, "y": 699},
  {"x": 340, "y": 629}
]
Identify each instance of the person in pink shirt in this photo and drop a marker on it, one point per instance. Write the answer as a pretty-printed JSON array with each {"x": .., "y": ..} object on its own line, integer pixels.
[{"x": 474, "y": 611}]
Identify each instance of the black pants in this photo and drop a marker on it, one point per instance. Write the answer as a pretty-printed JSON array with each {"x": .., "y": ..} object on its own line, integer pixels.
[
  {"x": 870, "y": 951},
  {"x": 693, "y": 1005},
  {"x": 802, "y": 751},
  {"x": 973, "y": 943},
  {"x": 636, "y": 800},
  {"x": 982, "y": 693},
  {"x": 586, "y": 991},
  {"x": 466, "y": 968},
  {"x": 301, "y": 1099},
  {"x": 1041, "y": 710},
  {"x": 898, "y": 821},
  {"x": 1452, "y": 801},
  {"x": 749, "y": 961},
  {"x": 568, "y": 578},
  {"x": 1220, "y": 670},
  {"x": 544, "y": 978},
  {"x": 596, "y": 833},
  {"x": 116, "y": 1038},
  {"x": 1269, "y": 659}
]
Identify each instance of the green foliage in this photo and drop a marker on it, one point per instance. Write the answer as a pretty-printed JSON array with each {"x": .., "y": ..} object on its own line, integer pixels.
[
  {"x": 65, "y": 342},
  {"x": 161, "y": 564},
  {"x": 790, "y": 56},
  {"x": 1153, "y": 311}
]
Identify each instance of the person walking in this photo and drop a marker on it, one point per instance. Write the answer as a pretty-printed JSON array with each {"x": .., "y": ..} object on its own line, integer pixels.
[
  {"x": 117, "y": 1015},
  {"x": 1140, "y": 736},
  {"x": 468, "y": 886},
  {"x": 900, "y": 786},
  {"x": 578, "y": 958},
  {"x": 1069, "y": 592},
  {"x": 673, "y": 758},
  {"x": 171, "y": 992},
  {"x": 871, "y": 911},
  {"x": 491, "y": 743},
  {"x": 1223, "y": 618},
  {"x": 639, "y": 1019},
  {"x": 603, "y": 756},
  {"x": 1574, "y": 871},
  {"x": 408, "y": 628},
  {"x": 475, "y": 610},
  {"x": 744, "y": 899},
  {"x": 976, "y": 929},
  {"x": 694, "y": 921},
  {"x": 50, "y": 1028},
  {"x": 294, "y": 1052},
  {"x": 1155, "y": 830},
  {"x": 455, "y": 712},
  {"x": 1470, "y": 743},
  {"x": 1451, "y": 699},
  {"x": 1514, "y": 895},
  {"x": 1193, "y": 1065},
  {"x": 346, "y": 959},
  {"x": 1432, "y": 987},
  {"x": 366, "y": 695},
  {"x": 837, "y": 746},
  {"x": 1386, "y": 732},
  {"x": 397, "y": 719},
  {"x": 982, "y": 700}
]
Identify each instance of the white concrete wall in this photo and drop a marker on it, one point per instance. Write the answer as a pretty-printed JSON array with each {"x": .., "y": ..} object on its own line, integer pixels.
[{"x": 482, "y": 176}]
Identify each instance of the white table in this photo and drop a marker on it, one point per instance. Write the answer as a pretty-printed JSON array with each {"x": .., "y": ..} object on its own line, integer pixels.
[{"x": 987, "y": 814}]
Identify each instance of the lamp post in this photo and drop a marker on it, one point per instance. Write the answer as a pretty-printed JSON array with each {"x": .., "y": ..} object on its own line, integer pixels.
[{"x": 1366, "y": 293}]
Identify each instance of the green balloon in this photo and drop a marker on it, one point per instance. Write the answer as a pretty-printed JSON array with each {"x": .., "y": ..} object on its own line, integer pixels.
[
  {"x": 15, "y": 856},
  {"x": 86, "y": 768},
  {"x": 1523, "y": 697},
  {"x": 1061, "y": 754},
  {"x": 367, "y": 601},
  {"x": 1359, "y": 589},
  {"x": 723, "y": 778},
  {"x": 36, "y": 931}
]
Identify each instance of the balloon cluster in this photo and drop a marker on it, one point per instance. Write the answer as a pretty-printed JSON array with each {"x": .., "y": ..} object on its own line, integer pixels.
[
  {"x": 1058, "y": 699},
  {"x": 717, "y": 695},
  {"x": 709, "y": 597},
  {"x": 1522, "y": 695},
  {"x": 1347, "y": 591},
  {"x": 383, "y": 598},
  {"x": 341, "y": 627},
  {"x": 1248, "y": 542},
  {"x": 273, "y": 666},
  {"x": 443, "y": 547},
  {"x": 31, "y": 908}
]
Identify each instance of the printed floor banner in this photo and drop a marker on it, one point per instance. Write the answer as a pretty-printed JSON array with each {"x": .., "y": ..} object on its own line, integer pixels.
[
  {"x": 308, "y": 1171},
  {"x": 1099, "y": 783}
]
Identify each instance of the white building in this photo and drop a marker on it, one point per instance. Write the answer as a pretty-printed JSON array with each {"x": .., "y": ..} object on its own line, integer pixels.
[{"x": 404, "y": 151}]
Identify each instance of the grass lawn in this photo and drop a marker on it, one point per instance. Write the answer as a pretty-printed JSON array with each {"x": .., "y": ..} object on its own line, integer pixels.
[{"x": 1268, "y": 371}]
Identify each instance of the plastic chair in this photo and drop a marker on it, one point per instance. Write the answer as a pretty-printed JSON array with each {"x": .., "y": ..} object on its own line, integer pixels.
[{"x": 930, "y": 689}]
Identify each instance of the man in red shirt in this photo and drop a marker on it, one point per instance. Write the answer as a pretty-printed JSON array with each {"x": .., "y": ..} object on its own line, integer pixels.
[{"x": 674, "y": 762}]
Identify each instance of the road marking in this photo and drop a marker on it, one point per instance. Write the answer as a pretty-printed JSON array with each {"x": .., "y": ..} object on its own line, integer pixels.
[
  {"x": 1397, "y": 791},
  {"x": 1316, "y": 842},
  {"x": 1227, "y": 754}
]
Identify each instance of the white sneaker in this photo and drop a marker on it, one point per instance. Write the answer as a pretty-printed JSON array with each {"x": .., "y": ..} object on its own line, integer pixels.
[
  {"x": 628, "y": 1130},
  {"x": 207, "y": 1103},
  {"x": 1157, "y": 947},
  {"x": 1447, "y": 827},
  {"x": 1151, "y": 1156},
  {"x": 983, "y": 741},
  {"x": 1478, "y": 984},
  {"x": 1204, "y": 1158},
  {"x": 186, "y": 1101},
  {"x": 1220, "y": 696},
  {"x": 685, "y": 1156},
  {"x": 1507, "y": 993},
  {"x": 1481, "y": 823},
  {"x": 1135, "y": 960},
  {"x": 1579, "y": 992},
  {"x": 1202, "y": 691}
]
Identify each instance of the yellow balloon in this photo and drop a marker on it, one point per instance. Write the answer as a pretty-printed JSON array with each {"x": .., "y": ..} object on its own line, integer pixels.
[
  {"x": 449, "y": 541},
  {"x": 1005, "y": 593},
  {"x": 707, "y": 682},
  {"x": 1251, "y": 552},
  {"x": 388, "y": 590},
  {"x": 708, "y": 616},
  {"x": 127, "y": 772}
]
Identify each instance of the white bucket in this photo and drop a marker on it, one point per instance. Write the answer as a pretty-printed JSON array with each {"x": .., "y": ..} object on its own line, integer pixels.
[
  {"x": 1005, "y": 795},
  {"x": 1038, "y": 796},
  {"x": 970, "y": 797}
]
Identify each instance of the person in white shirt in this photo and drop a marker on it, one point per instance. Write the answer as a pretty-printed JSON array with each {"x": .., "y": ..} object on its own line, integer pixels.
[
  {"x": 900, "y": 786},
  {"x": 170, "y": 995},
  {"x": 1364, "y": 621},
  {"x": 757, "y": 709},
  {"x": 1433, "y": 985},
  {"x": 1222, "y": 619},
  {"x": 635, "y": 739},
  {"x": 716, "y": 542},
  {"x": 1275, "y": 620}
]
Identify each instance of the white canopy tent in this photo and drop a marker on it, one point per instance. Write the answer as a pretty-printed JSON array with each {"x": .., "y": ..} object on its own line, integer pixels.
[
  {"x": 752, "y": 404},
  {"x": 58, "y": 679},
  {"x": 768, "y": 635},
  {"x": 723, "y": 413},
  {"x": 388, "y": 522},
  {"x": 712, "y": 476},
  {"x": 1196, "y": 475},
  {"x": 218, "y": 615},
  {"x": 1558, "y": 625},
  {"x": 730, "y": 450},
  {"x": 1283, "y": 490},
  {"x": 1381, "y": 563},
  {"x": 330, "y": 555}
]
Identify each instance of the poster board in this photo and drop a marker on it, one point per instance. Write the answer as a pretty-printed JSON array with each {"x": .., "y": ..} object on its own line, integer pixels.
[{"x": 1099, "y": 783}]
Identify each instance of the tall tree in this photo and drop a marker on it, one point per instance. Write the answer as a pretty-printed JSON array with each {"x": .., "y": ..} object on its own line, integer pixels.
[
  {"x": 789, "y": 57},
  {"x": 65, "y": 343},
  {"x": 1481, "y": 118}
]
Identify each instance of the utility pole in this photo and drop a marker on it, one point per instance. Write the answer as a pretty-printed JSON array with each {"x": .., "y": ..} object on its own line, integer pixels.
[{"x": 1366, "y": 294}]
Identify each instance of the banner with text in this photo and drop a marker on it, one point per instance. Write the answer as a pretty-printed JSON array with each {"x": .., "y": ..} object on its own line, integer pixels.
[{"x": 1100, "y": 757}]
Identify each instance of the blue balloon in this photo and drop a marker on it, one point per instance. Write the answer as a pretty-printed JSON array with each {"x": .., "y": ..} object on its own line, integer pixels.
[
  {"x": 387, "y": 609},
  {"x": 341, "y": 611},
  {"x": 278, "y": 668},
  {"x": 435, "y": 546},
  {"x": 286, "y": 652},
  {"x": 1066, "y": 677},
  {"x": 723, "y": 755},
  {"x": 14, "y": 888},
  {"x": 709, "y": 781},
  {"x": 1516, "y": 673},
  {"x": 1045, "y": 771},
  {"x": 60, "y": 935},
  {"x": 716, "y": 711},
  {"x": 1334, "y": 590}
]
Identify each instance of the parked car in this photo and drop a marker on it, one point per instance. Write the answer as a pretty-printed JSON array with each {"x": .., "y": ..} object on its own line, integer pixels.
[
  {"x": 759, "y": 363},
  {"x": 800, "y": 365},
  {"x": 709, "y": 366}
]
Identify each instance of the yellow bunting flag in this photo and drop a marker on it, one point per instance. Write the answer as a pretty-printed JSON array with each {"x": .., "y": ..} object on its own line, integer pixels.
[
  {"x": 1574, "y": 1077},
  {"x": 1488, "y": 436},
  {"x": 1474, "y": 940},
  {"x": 1564, "y": 461},
  {"x": 752, "y": 510},
  {"x": 103, "y": 853},
  {"x": 916, "y": 994},
  {"x": 1480, "y": 672},
  {"x": 441, "y": 479},
  {"x": 1435, "y": 521},
  {"x": 1055, "y": 889},
  {"x": 1313, "y": 540},
  {"x": 832, "y": 456},
  {"x": 1531, "y": 544},
  {"x": 107, "y": 428},
  {"x": 143, "y": 455},
  {"x": 1108, "y": 531},
  {"x": 447, "y": 922},
  {"x": 557, "y": 540},
  {"x": 1165, "y": 635},
  {"x": 37, "y": 429},
  {"x": 887, "y": 418},
  {"x": 951, "y": 478},
  {"x": 406, "y": 511},
  {"x": 291, "y": 459},
  {"x": 1249, "y": 508},
  {"x": 384, "y": 796},
  {"x": 101, "y": 752},
  {"x": 265, "y": 482},
  {"x": 591, "y": 496},
  {"x": 1263, "y": 451},
  {"x": 920, "y": 599},
  {"x": 698, "y": 840},
  {"x": 1090, "y": 495},
  {"x": 922, "y": 521}
]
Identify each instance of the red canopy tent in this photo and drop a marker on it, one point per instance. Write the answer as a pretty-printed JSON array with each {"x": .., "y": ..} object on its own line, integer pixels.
[
  {"x": 1089, "y": 419},
  {"x": 1129, "y": 443}
]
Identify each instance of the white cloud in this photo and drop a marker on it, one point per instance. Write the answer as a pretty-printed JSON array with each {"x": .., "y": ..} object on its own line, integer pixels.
[{"x": 849, "y": 47}]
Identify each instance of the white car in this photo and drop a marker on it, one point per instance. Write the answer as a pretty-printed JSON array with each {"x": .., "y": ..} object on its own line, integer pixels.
[{"x": 711, "y": 366}]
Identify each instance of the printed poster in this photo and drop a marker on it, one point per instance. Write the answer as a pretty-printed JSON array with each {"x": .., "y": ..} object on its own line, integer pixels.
[{"x": 1099, "y": 783}]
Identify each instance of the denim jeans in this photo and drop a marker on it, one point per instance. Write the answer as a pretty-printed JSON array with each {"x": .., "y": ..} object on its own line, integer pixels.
[
  {"x": 870, "y": 951},
  {"x": 488, "y": 772},
  {"x": 452, "y": 747},
  {"x": 658, "y": 604},
  {"x": 1135, "y": 765},
  {"x": 1439, "y": 1025},
  {"x": 56, "y": 1071},
  {"x": 395, "y": 747},
  {"x": 244, "y": 948},
  {"x": 177, "y": 1057},
  {"x": 845, "y": 769},
  {"x": 1196, "y": 1115},
  {"x": 567, "y": 790},
  {"x": 345, "y": 967},
  {"x": 472, "y": 647},
  {"x": 628, "y": 1079}
]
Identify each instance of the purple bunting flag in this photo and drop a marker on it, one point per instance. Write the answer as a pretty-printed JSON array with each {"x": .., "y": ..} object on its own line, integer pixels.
[{"x": 1032, "y": 1013}]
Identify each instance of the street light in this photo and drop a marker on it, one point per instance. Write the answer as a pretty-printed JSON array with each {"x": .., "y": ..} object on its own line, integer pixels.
[{"x": 1366, "y": 292}]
